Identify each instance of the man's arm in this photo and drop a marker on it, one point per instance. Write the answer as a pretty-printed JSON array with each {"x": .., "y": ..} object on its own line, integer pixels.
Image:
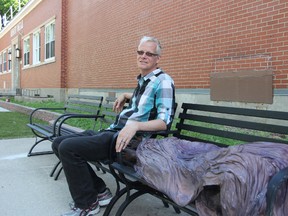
[
  {"x": 120, "y": 101},
  {"x": 128, "y": 132}
]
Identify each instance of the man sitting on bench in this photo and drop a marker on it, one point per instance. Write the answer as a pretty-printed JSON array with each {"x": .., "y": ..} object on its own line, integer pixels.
[{"x": 151, "y": 108}]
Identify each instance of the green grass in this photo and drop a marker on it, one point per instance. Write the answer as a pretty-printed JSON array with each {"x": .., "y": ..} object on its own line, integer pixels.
[
  {"x": 48, "y": 104},
  {"x": 13, "y": 125},
  {"x": 86, "y": 124}
]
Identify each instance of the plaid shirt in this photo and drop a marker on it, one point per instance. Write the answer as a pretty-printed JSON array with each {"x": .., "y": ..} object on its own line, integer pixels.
[{"x": 154, "y": 98}]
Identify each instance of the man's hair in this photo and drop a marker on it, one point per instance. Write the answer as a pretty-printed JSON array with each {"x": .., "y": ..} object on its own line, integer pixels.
[{"x": 152, "y": 39}]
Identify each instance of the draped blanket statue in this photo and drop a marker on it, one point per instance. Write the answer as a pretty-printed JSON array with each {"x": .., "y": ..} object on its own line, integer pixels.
[{"x": 221, "y": 181}]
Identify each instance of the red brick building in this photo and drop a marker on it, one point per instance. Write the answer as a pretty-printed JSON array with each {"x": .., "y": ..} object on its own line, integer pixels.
[{"x": 228, "y": 52}]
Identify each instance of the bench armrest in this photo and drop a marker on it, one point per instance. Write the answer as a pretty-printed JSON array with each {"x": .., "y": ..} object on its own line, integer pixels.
[
  {"x": 58, "y": 123},
  {"x": 163, "y": 133},
  {"x": 34, "y": 112}
]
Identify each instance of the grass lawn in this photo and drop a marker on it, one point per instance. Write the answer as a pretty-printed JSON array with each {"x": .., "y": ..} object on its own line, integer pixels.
[
  {"x": 36, "y": 104},
  {"x": 13, "y": 125}
]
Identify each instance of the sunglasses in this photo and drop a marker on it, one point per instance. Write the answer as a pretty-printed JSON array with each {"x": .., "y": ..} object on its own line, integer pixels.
[{"x": 146, "y": 53}]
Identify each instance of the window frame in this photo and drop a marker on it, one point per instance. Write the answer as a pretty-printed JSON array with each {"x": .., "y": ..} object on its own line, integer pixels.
[
  {"x": 50, "y": 41},
  {"x": 37, "y": 47},
  {"x": 9, "y": 60},
  {"x": 4, "y": 62},
  {"x": 1, "y": 60},
  {"x": 26, "y": 52}
]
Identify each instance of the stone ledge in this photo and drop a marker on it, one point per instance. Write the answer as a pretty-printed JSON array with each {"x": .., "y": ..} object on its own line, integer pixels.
[
  {"x": 44, "y": 115},
  {"x": 33, "y": 99}
]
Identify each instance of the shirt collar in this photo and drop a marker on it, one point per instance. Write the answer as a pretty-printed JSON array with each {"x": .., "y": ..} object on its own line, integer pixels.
[{"x": 151, "y": 74}]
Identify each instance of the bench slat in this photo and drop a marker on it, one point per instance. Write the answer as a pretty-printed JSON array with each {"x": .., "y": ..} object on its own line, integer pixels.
[
  {"x": 238, "y": 111},
  {"x": 237, "y": 123},
  {"x": 232, "y": 135}
]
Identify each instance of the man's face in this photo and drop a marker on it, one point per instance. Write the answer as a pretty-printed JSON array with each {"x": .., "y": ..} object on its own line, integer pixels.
[{"x": 146, "y": 61}]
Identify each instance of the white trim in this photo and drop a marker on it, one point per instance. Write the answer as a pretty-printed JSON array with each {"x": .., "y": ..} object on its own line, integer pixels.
[
  {"x": 9, "y": 62},
  {"x": 24, "y": 51},
  {"x": 49, "y": 61},
  {"x": 3, "y": 63},
  {"x": 36, "y": 47},
  {"x": 45, "y": 39},
  {"x": 24, "y": 11}
]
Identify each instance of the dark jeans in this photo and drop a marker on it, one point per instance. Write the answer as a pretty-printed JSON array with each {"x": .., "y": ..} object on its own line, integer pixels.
[{"x": 74, "y": 151}]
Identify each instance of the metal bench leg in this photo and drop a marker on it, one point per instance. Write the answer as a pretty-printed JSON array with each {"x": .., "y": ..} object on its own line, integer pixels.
[
  {"x": 128, "y": 201},
  {"x": 97, "y": 167},
  {"x": 54, "y": 169},
  {"x": 166, "y": 205},
  {"x": 114, "y": 201},
  {"x": 58, "y": 173},
  {"x": 38, "y": 153},
  {"x": 177, "y": 210}
]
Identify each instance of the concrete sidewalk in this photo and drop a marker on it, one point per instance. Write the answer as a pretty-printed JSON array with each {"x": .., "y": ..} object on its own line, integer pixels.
[
  {"x": 3, "y": 110},
  {"x": 26, "y": 189}
]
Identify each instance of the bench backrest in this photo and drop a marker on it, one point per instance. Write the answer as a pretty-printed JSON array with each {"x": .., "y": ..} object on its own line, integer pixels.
[
  {"x": 83, "y": 104},
  {"x": 109, "y": 115},
  {"x": 229, "y": 125}
]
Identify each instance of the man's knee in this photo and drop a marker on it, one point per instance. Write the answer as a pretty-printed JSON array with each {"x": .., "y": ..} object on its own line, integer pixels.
[
  {"x": 58, "y": 141},
  {"x": 55, "y": 144},
  {"x": 65, "y": 146}
]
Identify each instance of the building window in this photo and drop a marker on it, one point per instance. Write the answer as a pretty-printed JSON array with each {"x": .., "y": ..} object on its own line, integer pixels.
[
  {"x": 50, "y": 40},
  {"x": 1, "y": 63},
  {"x": 36, "y": 48},
  {"x": 26, "y": 51},
  {"x": 5, "y": 61},
  {"x": 9, "y": 60}
]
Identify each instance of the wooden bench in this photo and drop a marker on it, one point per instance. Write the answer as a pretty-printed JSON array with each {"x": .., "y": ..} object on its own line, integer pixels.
[
  {"x": 76, "y": 107},
  {"x": 214, "y": 124}
]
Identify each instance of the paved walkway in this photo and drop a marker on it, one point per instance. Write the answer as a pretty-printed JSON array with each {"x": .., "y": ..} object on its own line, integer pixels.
[
  {"x": 3, "y": 110},
  {"x": 27, "y": 190}
]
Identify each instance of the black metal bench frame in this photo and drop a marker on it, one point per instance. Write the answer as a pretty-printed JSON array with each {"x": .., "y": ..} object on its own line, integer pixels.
[
  {"x": 106, "y": 117},
  {"x": 76, "y": 106},
  {"x": 195, "y": 120}
]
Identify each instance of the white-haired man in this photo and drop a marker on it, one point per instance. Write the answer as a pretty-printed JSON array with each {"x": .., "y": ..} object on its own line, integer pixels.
[{"x": 151, "y": 108}]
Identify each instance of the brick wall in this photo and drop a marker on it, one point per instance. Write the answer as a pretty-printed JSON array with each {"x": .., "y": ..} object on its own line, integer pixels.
[
  {"x": 199, "y": 38},
  {"x": 5, "y": 79},
  {"x": 96, "y": 41},
  {"x": 45, "y": 75}
]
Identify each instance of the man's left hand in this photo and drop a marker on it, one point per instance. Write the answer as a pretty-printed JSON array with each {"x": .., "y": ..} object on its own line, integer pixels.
[{"x": 125, "y": 135}]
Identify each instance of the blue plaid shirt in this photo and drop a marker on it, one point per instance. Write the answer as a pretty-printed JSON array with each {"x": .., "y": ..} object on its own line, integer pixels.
[{"x": 154, "y": 98}]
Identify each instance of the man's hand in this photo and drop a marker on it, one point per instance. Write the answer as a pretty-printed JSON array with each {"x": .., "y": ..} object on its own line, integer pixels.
[
  {"x": 125, "y": 135},
  {"x": 120, "y": 102},
  {"x": 128, "y": 132}
]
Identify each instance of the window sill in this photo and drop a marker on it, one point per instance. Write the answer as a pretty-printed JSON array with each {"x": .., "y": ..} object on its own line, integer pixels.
[{"x": 38, "y": 64}]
